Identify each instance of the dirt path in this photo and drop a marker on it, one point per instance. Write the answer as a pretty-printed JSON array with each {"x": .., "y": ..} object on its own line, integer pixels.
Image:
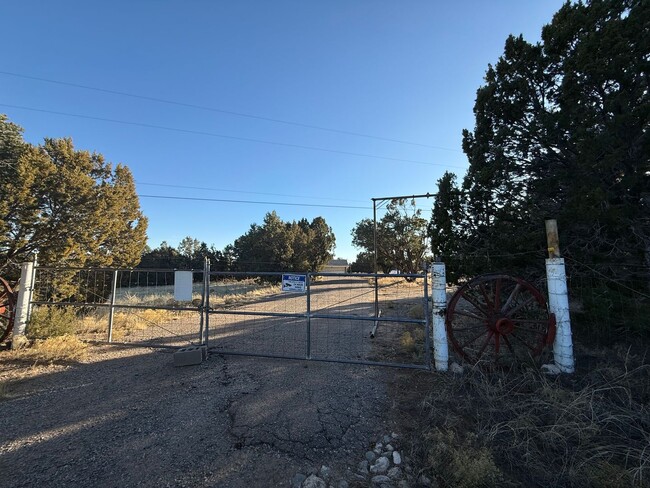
[{"x": 128, "y": 417}]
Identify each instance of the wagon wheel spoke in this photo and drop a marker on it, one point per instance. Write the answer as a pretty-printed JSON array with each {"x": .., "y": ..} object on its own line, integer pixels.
[
  {"x": 475, "y": 304},
  {"x": 511, "y": 298},
  {"x": 472, "y": 327},
  {"x": 523, "y": 304},
  {"x": 467, "y": 343},
  {"x": 523, "y": 342},
  {"x": 485, "y": 344},
  {"x": 486, "y": 298},
  {"x": 469, "y": 314},
  {"x": 508, "y": 345},
  {"x": 7, "y": 307}
]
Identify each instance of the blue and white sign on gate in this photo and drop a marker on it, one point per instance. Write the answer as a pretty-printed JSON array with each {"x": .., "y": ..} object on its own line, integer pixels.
[{"x": 294, "y": 282}]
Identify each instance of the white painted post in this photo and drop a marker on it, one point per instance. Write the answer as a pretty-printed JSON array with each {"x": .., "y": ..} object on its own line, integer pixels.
[
  {"x": 439, "y": 297},
  {"x": 558, "y": 304},
  {"x": 22, "y": 305}
]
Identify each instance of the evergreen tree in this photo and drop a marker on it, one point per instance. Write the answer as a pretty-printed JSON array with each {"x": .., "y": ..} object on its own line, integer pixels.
[
  {"x": 69, "y": 206},
  {"x": 562, "y": 132}
]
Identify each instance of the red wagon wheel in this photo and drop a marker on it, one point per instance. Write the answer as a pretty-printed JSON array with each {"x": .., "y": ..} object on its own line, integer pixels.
[
  {"x": 500, "y": 319},
  {"x": 7, "y": 309}
]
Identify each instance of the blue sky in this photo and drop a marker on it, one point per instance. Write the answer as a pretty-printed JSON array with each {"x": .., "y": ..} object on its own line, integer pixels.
[{"x": 396, "y": 70}]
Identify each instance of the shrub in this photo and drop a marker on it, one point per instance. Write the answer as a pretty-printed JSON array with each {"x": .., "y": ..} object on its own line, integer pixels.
[{"x": 51, "y": 321}]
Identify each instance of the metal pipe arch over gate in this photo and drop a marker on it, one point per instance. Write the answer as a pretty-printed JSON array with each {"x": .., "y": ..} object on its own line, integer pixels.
[{"x": 331, "y": 321}]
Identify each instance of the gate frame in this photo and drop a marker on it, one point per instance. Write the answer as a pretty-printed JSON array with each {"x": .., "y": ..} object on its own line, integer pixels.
[{"x": 308, "y": 316}]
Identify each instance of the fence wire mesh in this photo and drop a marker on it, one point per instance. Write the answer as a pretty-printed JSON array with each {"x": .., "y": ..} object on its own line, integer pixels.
[
  {"x": 333, "y": 320},
  {"x": 607, "y": 302},
  {"x": 125, "y": 306}
]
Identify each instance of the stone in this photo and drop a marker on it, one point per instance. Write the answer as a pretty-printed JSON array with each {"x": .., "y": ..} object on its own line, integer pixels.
[
  {"x": 313, "y": 482},
  {"x": 424, "y": 480},
  {"x": 390, "y": 448},
  {"x": 403, "y": 484},
  {"x": 381, "y": 466},
  {"x": 386, "y": 439},
  {"x": 378, "y": 448},
  {"x": 296, "y": 481},
  {"x": 394, "y": 435},
  {"x": 395, "y": 473},
  {"x": 456, "y": 368},
  {"x": 342, "y": 484},
  {"x": 370, "y": 456},
  {"x": 381, "y": 481},
  {"x": 397, "y": 458},
  {"x": 325, "y": 473},
  {"x": 551, "y": 369},
  {"x": 362, "y": 467},
  {"x": 359, "y": 477}
]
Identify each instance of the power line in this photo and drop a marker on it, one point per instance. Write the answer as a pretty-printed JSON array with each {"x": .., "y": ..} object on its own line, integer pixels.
[
  {"x": 253, "y": 201},
  {"x": 229, "y": 112},
  {"x": 248, "y": 192},
  {"x": 223, "y": 136}
]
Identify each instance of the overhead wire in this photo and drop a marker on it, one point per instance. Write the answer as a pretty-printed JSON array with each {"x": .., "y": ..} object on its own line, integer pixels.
[
  {"x": 224, "y": 200},
  {"x": 247, "y": 192},
  {"x": 228, "y": 112},
  {"x": 223, "y": 136}
]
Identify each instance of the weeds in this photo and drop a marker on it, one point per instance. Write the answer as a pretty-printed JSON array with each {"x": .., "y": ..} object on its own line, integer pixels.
[{"x": 522, "y": 428}]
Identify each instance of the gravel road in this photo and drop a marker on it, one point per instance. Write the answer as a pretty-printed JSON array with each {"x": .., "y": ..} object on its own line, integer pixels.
[{"x": 127, "y": 417}]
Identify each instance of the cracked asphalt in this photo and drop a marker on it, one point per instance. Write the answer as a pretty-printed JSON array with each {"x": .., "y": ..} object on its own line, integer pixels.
[{"x": 128, "y": 417}]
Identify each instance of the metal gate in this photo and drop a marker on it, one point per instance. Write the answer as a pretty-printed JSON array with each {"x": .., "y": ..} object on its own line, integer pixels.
[
  {"x": 121, "y": 306},
  {"x": 351, "y": 318}
]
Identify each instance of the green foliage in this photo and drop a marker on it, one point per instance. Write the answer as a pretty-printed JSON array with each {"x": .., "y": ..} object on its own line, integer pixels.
[
  {"x": 283, "y": 246},
  {"x": 69, "y": 206},
  {"x": 561, "y": 132},
  {"x": 363, "y": 264},
  {"x": 46, "y": 322},
  {"x": 401, "y": 238}
]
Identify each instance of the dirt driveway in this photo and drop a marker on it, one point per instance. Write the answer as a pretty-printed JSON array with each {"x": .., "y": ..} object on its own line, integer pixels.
[{"x": 127, "y": 417}]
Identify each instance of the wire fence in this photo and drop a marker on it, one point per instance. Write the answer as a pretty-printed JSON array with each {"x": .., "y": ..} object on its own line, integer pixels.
[
  {"x": 122, "y": 306},
  {"x": 608, "y": 301},
  {"x": 335, "y": 319}
]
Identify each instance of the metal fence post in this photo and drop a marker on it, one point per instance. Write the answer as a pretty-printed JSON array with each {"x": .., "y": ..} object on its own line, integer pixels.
[
  {"x": 206, "y": 301},
  {"x": 111, "y": 312},
  {"x": 439, "y": 297},
  {"x": 308, "y": 285},
  {"x": 23, "y": 305},
  {"x": 427, "y": 335}
]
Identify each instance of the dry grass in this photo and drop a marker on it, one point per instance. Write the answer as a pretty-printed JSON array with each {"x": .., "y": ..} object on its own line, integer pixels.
[
  {"x": 55, "y": 349},
  {"x": 521, "y": 428},
  {"x": 241, "y": 293}
]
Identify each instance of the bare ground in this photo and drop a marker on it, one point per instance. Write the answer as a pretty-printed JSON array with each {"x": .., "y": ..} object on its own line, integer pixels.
[{"x": 128, "y": 417}]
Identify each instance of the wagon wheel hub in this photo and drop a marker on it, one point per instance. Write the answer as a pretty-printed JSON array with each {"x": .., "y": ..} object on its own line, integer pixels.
[{"x": 504, "y": 326}]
